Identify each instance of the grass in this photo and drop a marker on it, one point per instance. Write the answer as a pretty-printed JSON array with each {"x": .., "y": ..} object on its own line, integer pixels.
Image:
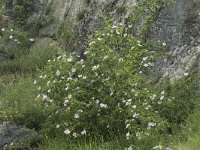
[
  {"x": 191, "y": 134},
  {"x": 63, "y": 143},
  {"x": 36, "y": 58},
  {"x": 17, "y": 102}
]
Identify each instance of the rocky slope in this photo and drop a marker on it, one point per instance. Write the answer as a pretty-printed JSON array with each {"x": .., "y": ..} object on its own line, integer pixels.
[{"x": 178, "y": 25}]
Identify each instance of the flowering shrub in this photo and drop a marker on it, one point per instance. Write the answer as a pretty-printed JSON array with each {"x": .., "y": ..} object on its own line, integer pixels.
[{"x": 104, "y": 94}]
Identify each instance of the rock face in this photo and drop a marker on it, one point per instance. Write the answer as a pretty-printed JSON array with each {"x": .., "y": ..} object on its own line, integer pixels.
[
  {"x": 9, "y": 132},
  {"x": 178, "y": 25}
]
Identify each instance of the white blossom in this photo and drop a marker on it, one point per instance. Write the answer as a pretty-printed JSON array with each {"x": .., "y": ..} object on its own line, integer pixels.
[
  {"x": 103, "y": 105},
  {"x": 76, "y": 116},
  {"x": 69, "y": 59},
  {"x": 67, "y": 131},
  {"x": 31, "y": 39},
  {"x": 128, "y": 135},
  {"x": 83, "y": 132},
  {"x": 57, "y": 72},
  {"x": 11, "y": 36}
]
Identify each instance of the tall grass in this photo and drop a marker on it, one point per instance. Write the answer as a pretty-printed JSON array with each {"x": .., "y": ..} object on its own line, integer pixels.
[
  {"x": 17, "y": 103},
  {"x": 26, "y": 64},
  {"x": 191, "y": 134}
]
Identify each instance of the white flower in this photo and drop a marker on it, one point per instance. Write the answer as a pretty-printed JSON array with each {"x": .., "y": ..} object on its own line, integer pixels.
[
  {"x": 80, "y": 76},
  {"x": 57, "y": 72},
  {"x": 39, "y": 88},
  {"x": 133, "y": 90},
  {"x": 76, "y": 116},
  {"x": 186, "y": 74},
  {"x": 130, "y": 26},
  {"x": 127, "y": 125},
  {"x": 66, "y": 88},
  {"x": 10, "y": 37},
  {"x": 156, "y": 147},
  {"x": 69, "y": 59},
  {"x": 84, "y": 77},
  {"x": 45, "y": 96},
  {"x": 67, "y": 131},
  {"x": 83, "y": 132},
  {"x": 163, "y": 92},
  {"x": 48, "y": 82},
  {"x": 99, "y": 39},
  {"x": 114, "y": 26},
  {"x": 151, "y": 124},
  {"x": 73, "y": 70},
  {"x": 164, "y": 43},
  {"x": 91, "y": 43},
  {"x": 57, "y": 126},
  {"x": 162, "y": 97},
  {"x": 152, "y": 97},
  {"x": 129, "y": 148},
  {"x": 120, "y": 59},
  {"x": 159, "y": 102},
  {"x": 35, "y": 82},
  {"x": 103, "y": 105},
  {"x": 74, "y": 134},
  {"x": 31, "y": 39},
  {"x": 134, "y": 106},
  {"x": 69, "y": 96},
  {"x": 148, "y": 107},
  {"x": 125, "y": 35},
  {"x": 145, "y": 65},
  {"x": 11, "y": 30},
  {"x": 128, "y": 135},
  {"x": 3, "y": 29},
  {"x": 144, "y": 58},
  {"x": 118, "y": 32},
  {"x": 138, "y": 135},
  {"x": 105, "y": 57},
  {"x": 135, "y": 115},
  {"x": 95, "y": 67}
]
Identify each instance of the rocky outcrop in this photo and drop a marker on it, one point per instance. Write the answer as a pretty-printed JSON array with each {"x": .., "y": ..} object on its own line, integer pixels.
[
  {"x": 9, "y": 132},
  {"x": 177, "y": 25}
]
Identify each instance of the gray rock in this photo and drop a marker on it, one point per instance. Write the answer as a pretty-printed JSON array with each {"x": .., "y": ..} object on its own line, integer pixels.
[{"x": 9, "y": 132}]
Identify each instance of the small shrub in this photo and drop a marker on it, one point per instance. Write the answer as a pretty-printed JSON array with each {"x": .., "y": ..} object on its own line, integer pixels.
[
  {"x": 21, "y": 11},
  {"x": 104, "y": 95}
]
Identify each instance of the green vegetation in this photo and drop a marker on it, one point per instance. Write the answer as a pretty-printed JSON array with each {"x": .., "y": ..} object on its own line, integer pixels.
[
  {"x": 21, "y": 11},
  {"x": 102, "y": 102},
  {"x": 1, "y": 7},
  {"x": 20, "y": 56}
]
